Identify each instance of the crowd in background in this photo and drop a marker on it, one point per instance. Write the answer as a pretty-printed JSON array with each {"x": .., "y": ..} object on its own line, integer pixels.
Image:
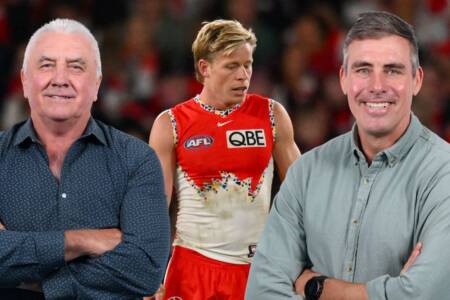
[{"x": 148, "y": 65}]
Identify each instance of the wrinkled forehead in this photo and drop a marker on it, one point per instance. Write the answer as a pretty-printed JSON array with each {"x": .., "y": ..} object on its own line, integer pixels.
[
  {"x": 68, "y": 39},
  {"x": 61, "y": 45},
  {"x": 390, "y": 48}
]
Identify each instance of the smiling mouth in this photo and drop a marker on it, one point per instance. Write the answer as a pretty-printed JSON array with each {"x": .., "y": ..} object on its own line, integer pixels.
[
  {"x": 58, "y": 97},
  {"x": 377, "y": 105}
]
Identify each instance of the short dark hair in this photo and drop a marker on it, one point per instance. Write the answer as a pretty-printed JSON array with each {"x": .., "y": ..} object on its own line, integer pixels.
[{"x": 378, "y": 24}]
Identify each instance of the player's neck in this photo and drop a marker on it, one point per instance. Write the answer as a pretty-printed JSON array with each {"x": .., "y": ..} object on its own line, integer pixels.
[{"x": 216, "y": 102}]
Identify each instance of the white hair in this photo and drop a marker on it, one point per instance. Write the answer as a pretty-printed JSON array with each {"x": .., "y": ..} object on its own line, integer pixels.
[{"x": 65, "y": 26}]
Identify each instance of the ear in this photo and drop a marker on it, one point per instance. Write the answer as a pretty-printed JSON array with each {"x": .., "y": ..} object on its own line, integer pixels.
[
  {"x": 97, "y": 86},
  {"x": 343, "y": 80},
  {"x": 23, "y": 79},
  {"x": 203, "y": 67},
  {"x": 418, "y": 81}
]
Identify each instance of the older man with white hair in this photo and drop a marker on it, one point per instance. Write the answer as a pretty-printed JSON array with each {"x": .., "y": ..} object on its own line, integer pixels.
[{"x": 82, "y": 208}]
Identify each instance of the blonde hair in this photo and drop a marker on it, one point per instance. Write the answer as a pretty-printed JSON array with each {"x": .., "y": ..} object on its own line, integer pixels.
[{"x": 219, "y": 36}]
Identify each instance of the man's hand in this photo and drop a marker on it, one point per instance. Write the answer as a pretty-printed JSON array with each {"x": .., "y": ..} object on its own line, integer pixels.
[
  {"x": 92, "y": 242},
  {"x": 2, "y": 227},
  {"x": 301, "y": 281},
  {"x": 307, "y": 274},
  {"x": 412, "y": 257}
]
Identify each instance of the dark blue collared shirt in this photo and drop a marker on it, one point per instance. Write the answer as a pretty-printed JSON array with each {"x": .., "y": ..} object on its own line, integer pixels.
[{"x": 108, "y": 180}]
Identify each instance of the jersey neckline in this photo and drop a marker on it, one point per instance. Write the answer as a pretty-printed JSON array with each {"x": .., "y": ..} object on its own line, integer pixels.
[{"x": 223, "y": 113}]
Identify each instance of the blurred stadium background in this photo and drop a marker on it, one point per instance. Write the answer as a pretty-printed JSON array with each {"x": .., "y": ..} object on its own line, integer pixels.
[{"x": 148, "y": 66}]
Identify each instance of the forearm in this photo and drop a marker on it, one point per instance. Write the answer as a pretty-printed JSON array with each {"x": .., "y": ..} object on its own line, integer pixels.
[
  {"x": 73, "y": 245},
  {"x": 335, "y": 289},
  {"x": 92, "y": 242},
  {"x": 131, "y": 269},
  {"x": 29, "y": 256}
]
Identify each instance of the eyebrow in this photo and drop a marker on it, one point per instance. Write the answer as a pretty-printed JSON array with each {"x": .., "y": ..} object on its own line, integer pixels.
[
  {"x": 360, "y": 64},
  {"x": 46, "y": 58},
  {"x": 237, "y": 62},
  {"x": 395, "y": 66},
  {"x": 80, "y": 61}
]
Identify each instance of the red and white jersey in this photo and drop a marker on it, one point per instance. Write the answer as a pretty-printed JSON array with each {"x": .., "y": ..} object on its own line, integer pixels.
[{"x": 224, "y": 176}]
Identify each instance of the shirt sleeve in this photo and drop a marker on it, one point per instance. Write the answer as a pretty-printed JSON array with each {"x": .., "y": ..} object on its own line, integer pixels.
[
  {"x": 29, "y": 256},
  {"x": 281, "y": 252},
  {"x": 428, "y": 277},
  {"x": 136, "y": 266}
]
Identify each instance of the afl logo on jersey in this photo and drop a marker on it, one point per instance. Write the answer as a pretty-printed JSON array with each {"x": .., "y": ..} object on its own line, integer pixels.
[
  {"x": 246, "y": 138},
  {"x": 198, "y": 142}
]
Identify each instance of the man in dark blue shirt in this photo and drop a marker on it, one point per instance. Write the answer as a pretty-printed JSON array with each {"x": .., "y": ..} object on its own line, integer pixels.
[{"x": 82, "y": 207}]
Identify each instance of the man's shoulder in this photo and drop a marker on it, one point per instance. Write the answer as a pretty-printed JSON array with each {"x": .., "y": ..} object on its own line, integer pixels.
[
  {"x": 7, "y": 136},
  {"x": 3, "y": 139},
  {"x": 183, "y": 104},
  {"x": 437, "y": 143},
  {"x": 433, "y": 147},
  {"x": 334, "y": 152},
  {"x": 127, "y": 147},
  {"x": 338, "y": 145}
]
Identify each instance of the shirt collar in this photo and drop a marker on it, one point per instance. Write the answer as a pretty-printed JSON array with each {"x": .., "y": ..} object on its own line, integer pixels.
[
  {"x": 357, "y": 153},
  {"x": 26, "y": 133},
  {"x": 397, "y": 151}
]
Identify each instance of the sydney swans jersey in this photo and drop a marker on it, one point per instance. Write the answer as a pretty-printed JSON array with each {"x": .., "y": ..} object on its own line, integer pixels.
[{"x": 224, "y": 176}]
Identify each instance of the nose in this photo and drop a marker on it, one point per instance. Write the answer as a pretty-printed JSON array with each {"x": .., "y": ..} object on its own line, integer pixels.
[
  {"x": 60, "y": 78},
  {"x": 243, "y": 73},
  {"x": 377, "y": 83}
]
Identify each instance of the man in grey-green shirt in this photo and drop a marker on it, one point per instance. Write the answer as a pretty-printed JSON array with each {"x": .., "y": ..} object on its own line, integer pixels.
[{"x": 366, "y": 215}]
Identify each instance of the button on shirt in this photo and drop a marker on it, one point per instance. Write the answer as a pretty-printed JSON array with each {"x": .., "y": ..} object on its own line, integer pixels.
[
  {"x": 356, "y": 222},
  {"x": 108, "y": 180}
]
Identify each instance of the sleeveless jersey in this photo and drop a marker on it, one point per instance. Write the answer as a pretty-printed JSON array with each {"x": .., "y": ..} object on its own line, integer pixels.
[{"x": 223, "y": 176}]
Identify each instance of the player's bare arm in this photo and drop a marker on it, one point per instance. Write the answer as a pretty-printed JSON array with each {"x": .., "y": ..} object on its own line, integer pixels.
[
  {"x": 285, "y": 151},
  {"x": 161, "y": 140}
]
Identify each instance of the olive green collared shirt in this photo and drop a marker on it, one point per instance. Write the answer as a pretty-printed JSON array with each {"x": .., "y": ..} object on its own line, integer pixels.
[{"x": 345, "y": 219}]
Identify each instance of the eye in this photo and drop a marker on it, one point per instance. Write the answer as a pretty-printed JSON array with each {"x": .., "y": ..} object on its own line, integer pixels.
[
  {"x": 77, "y": 68},
  {"x": 393, "y": 71},
  {"x": 45, "y": 66},
  {"x": 362, "y": 71},
  {"x": 231, "y": 66}
]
